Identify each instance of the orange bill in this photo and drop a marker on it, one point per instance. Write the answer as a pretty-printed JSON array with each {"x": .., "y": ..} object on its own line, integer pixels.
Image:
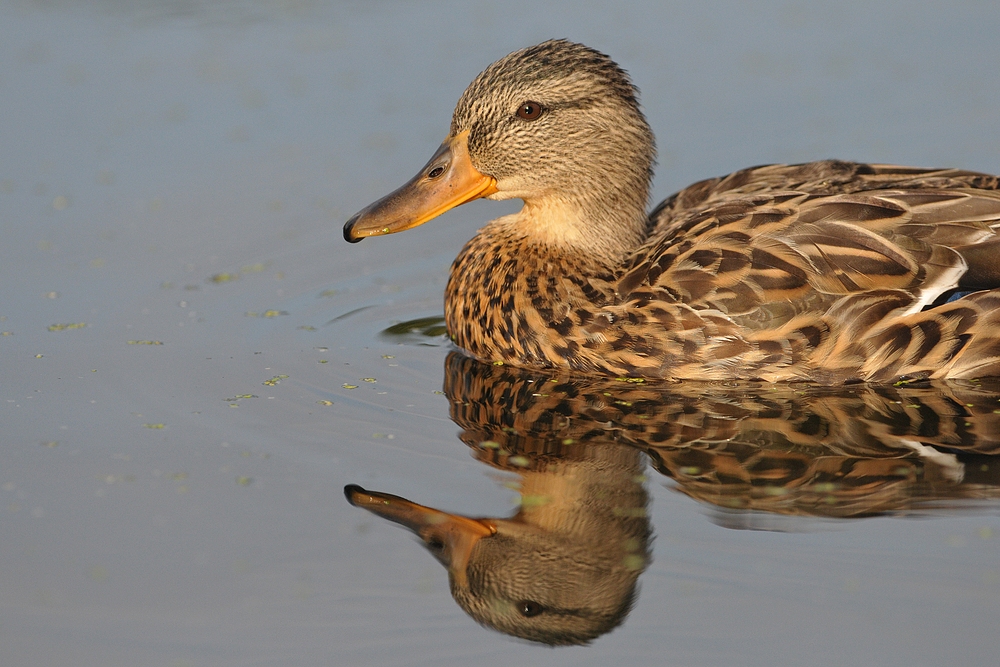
[
  {"x": 447, "y": 181},
  {"x": 450, "y": 537}
]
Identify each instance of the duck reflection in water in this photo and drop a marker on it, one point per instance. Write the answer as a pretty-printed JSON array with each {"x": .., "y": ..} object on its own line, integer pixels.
[{"x": 564, "y": 568}]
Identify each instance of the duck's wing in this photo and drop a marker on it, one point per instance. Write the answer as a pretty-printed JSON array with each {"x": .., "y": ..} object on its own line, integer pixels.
[
  {"x": 831, "y": 253},
  {"x": 827, "y": 177}
]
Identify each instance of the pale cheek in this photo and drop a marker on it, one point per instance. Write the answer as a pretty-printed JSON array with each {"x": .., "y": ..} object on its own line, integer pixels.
[{"x": 516, "y": 187}]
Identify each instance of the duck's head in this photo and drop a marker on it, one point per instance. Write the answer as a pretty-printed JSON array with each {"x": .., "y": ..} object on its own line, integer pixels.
[{"x": 557, "y": 125}]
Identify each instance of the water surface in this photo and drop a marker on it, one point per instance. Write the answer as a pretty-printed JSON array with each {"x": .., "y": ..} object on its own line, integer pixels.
[{"x": 194, "y": 366}]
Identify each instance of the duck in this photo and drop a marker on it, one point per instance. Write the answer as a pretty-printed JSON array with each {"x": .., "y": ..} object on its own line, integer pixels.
[{"x": 827, "y": 272}]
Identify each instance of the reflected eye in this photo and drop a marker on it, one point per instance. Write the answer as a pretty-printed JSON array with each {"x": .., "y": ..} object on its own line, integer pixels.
[
  {"x": 529, "y": 608},
  {"x": 529, "y": 111},
  {"x": 435, "y": 544}
]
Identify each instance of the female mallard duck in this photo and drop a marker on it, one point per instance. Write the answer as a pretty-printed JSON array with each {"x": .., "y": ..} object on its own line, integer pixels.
[{"x": 828, "y": 272}]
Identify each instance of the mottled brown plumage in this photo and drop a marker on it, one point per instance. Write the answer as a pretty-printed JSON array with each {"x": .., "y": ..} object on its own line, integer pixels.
[{"x": 830, "y": 272}]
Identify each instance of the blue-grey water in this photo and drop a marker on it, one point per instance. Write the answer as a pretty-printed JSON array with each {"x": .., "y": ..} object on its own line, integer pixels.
[{"x": 192, "y": 366}]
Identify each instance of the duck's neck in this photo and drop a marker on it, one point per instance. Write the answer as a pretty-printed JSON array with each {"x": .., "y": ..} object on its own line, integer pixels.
[{"x": 607, "y": 229}]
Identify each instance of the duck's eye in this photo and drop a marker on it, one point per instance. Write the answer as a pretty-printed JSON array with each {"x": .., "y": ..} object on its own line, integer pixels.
[
  {"x": 529, "y": 608},
  {"x": 435, "y": 172},
  {"x": 529, "y": 111}
]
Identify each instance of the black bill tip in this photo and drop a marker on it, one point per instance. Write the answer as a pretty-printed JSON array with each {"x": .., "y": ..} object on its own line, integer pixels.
[{"x": 351, "y": 490}]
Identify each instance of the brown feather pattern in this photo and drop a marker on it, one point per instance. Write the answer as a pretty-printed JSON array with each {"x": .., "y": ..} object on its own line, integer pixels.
[{"x": 820, "y": 272}]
